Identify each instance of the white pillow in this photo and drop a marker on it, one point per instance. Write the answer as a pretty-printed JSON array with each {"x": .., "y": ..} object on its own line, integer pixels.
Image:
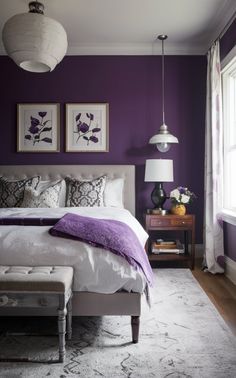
[
  {"x": 114, "y": 193},
  {"x": 46, "y": 198},
  {"x": 43, "y": 185}
]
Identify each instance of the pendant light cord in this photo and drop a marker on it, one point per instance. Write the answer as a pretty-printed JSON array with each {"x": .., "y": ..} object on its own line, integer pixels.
[{"x": 163, "y": 83}]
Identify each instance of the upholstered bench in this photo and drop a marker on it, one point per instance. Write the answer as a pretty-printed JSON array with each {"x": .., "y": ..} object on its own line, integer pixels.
[{"x": 37, "y": 287}]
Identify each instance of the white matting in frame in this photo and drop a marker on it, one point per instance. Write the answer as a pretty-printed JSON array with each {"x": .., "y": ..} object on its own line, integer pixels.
[
  {"x": 38, "y": 127},
  {"x": 87, "y": 127}
]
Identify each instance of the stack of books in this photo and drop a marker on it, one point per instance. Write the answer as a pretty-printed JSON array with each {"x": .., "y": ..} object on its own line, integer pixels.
[{"x": 167, "y": 246}]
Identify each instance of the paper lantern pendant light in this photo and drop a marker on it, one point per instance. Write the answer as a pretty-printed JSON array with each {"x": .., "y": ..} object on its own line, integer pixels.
[{"x": 35, "y": 42}]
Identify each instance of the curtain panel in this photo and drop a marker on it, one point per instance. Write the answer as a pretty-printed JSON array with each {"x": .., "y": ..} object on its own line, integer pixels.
[{"x": 213, "y": 187}]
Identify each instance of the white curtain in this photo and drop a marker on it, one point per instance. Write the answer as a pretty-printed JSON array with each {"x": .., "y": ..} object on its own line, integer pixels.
[{"x": 213, "y": 227}]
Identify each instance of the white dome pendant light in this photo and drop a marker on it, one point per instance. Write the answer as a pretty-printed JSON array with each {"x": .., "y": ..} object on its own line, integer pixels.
[
  {"x": 163, "y": 139},
  {"x": 35, "y": 42}
]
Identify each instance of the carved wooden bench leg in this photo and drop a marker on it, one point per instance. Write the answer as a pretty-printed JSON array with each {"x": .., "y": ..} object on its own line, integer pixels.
[
  {"x": 62, "y": 332},
  {"x": 69, "y": 319},
  {"x": 135, "y": 328}
]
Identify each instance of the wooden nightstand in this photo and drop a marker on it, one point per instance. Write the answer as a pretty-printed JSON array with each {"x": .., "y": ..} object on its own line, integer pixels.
[{"x": 185, "y": 223}]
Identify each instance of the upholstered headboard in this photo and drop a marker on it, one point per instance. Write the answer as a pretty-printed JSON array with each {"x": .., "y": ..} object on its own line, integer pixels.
[{"x": 54, "y": 172}]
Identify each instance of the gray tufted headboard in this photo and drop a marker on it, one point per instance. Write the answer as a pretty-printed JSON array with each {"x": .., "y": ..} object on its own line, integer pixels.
[{"x": 54, "y": 172}]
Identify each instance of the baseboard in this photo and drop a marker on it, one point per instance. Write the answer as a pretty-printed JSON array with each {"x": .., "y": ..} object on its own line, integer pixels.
[{"x": 230, "y": 269}]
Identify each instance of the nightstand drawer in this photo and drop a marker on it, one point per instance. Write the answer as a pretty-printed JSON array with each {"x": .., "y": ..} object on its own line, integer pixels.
[
  {"x": 168, "y": 221},
  {"x": 181, "y": 222},
  {"x": 163, "y": 222}
]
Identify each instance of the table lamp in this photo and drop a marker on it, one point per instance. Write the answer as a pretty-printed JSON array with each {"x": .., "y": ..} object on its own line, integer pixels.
[{"x": 159, "y": 171}]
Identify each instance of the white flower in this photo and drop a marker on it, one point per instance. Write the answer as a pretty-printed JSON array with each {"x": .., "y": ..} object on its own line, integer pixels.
[
  {"x": 181, "y": 195},
  {"x": 175, "y": 194},
  {"x": 185, "y": 199}
]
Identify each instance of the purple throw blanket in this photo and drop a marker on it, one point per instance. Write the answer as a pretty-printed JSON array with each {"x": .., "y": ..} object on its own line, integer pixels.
[{"x": 112, "y": 235}]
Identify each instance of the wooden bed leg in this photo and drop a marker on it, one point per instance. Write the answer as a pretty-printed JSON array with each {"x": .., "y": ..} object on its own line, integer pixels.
[{"x": 135, "y": 328}]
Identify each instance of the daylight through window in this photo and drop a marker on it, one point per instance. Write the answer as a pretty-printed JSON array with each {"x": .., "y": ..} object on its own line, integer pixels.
[{"x": 229, "y": 133}]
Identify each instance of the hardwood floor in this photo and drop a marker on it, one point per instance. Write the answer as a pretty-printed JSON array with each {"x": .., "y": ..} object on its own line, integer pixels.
[{"x": 221, "y": 291}]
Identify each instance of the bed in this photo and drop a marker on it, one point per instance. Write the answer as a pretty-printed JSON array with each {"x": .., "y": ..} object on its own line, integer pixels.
[{"x": 87, "y": 300}]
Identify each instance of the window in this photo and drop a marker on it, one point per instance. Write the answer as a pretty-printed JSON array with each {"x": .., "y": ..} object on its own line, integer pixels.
[{"x": 229, "y": 130}]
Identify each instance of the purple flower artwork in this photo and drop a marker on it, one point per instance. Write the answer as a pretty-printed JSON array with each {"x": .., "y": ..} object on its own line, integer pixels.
[
  {"x": 40, "y": 129},
  {"x": 86, "y": 129}
]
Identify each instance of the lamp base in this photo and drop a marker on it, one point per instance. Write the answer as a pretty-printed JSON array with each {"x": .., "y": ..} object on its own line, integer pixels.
[{"x": 158, "y": 195}]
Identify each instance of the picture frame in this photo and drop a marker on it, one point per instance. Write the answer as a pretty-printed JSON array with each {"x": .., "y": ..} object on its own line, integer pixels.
[
  {"x": 87, "y": 127},
  {"x": 38, "y": 127}
]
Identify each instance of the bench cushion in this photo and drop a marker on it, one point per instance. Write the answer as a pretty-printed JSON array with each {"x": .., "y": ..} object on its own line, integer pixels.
[{"x": 36, "y": 278}]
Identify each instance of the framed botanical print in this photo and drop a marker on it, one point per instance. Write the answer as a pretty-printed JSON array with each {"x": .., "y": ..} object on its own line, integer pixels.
[
  {"x": 38, "y": 127},
  {"x": 87, "y": 127}
]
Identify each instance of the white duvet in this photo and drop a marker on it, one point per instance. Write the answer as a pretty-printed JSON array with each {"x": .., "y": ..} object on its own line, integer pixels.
[{"x": 95, "y": 269}]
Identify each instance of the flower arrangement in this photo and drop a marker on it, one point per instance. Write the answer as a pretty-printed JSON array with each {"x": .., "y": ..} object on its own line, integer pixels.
[{"x": 181, "y": 196}]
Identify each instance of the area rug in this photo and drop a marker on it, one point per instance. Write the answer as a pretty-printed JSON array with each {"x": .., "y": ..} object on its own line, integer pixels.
[{"x": 182, "y": 335}]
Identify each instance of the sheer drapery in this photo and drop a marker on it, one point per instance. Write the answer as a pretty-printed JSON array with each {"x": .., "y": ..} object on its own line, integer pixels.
[{"x": 213, "y": 231}]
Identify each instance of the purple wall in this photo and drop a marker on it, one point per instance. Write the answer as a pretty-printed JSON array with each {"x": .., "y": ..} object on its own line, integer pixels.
[
  {"x": 227, "y": 42},
  {"x": 132, "y": 87},
  {"x": 230, "y": 240}
]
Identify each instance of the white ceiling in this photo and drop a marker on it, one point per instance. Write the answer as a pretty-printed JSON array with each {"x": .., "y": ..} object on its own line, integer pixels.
[{"x": 130, "y": 27}]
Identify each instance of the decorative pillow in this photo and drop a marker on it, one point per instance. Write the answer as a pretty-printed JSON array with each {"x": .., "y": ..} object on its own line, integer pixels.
[
  {"x": 113, "y": 193},
  {"x": 47, "y": 198},
  {"x": 85, "y": 193},
  {"x": 43, "y": 185},
  {"x": 12, "y": 192}
]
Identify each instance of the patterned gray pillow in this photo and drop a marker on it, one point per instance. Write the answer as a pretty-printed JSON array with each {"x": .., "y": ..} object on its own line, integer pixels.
[
  {"x": 12, "y": 192},
  {"x": 47, "y": 198},
  {"x": 85, "y": 193}
]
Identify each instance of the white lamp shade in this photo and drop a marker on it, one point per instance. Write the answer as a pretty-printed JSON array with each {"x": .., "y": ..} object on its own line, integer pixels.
[
  {"x": 163, "y": 138},
  {"x": 35, "y": 42},
  {"x": 159, "y": 170}
]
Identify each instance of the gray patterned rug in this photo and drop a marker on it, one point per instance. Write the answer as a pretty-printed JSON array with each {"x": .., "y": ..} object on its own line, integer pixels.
[{"x": 181, "y": 336}]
